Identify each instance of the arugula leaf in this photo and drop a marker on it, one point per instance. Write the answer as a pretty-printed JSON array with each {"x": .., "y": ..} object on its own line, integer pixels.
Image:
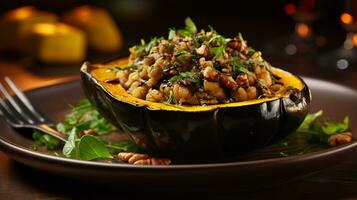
[
  {"x": 50, "y": 142},
  {"x": 70, "y": 147},
  {"x": 91, "y": 148}
]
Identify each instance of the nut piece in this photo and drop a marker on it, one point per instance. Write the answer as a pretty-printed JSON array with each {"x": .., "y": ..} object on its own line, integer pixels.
[
  {"x": 339, "y": 139},
  {"x": 142, "y": 159},
  {"x": 90, "y": 132},
  {"x": 153, "y": 161},
  {"x": 131, "y": 157}
]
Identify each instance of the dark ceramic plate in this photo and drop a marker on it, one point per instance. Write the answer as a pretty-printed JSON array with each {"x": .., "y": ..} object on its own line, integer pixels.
[{"x": 261, "y": 166}]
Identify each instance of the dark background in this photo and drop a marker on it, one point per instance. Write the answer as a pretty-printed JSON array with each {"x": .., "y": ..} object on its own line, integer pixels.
[{"x": 259, "y": 21}]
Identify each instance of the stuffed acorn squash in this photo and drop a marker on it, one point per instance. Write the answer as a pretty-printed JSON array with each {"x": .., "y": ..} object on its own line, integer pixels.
[{"x": 197, "y": 95}]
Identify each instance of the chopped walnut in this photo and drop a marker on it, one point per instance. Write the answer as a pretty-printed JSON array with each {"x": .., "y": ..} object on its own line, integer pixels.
[
  {"x": 90, "y": 132},
  {"x": 339, "y": 139},
  {"x": 142, "y": 159},
  {"x": 242, "y": 80}
]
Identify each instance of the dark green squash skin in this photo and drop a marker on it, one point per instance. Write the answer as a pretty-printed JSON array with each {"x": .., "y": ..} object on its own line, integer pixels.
[{"x": 203, "y": 135}]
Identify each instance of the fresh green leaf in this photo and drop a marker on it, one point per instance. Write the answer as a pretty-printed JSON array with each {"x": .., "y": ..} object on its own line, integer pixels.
[
  {"x": 211, "y": 29},
  {"x": 84, "y": 116},
  {"x": 251, "y": 50},
  {"x": 183, "y": 76},
  {"x": 329, "y": 127},
  {"x": 309, "y": 119},
  {"x": 318, "y": 129},
  {"x": 147, "y": 46},
  {"x": 184, "y": 32},
  {"x": 217, "y": 51},
  {"x": 240, "y": 37},
  {"x": 190, "y": 25},
  {"x": 70, "y": 148},
  {"x": 91, "y": 148},
  {"x": 239, "y": 67},
  {"x": 50, "y": 142},
  {"x": 183, "y": 56},
  {"x": 60, "y": 127},
  {"x": 127, "y": 146},
  {"x": 189, "y": 29},
  {"x": 172, "y": 34},
  {"x": 219, "y": 39}
]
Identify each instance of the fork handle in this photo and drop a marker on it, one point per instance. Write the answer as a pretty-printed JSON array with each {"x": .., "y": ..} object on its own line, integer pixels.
[{"x": 47, "y": 129}]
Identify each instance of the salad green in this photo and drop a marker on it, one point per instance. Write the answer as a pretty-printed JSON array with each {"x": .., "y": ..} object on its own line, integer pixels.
[{"x": 313, "y": 133}]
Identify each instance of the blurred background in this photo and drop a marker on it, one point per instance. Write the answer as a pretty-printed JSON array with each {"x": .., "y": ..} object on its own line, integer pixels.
[{"x": 44, "y": 42}]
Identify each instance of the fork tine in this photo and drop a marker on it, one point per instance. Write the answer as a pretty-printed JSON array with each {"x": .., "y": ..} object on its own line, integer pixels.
[
  {"x": 8, "y": 115},
  {"x": 24, "y": 99},
  {"x": 13, "y": 103}
]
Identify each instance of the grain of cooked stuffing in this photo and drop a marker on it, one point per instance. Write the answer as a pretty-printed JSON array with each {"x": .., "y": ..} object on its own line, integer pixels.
[{"x": 197, "y": 68}]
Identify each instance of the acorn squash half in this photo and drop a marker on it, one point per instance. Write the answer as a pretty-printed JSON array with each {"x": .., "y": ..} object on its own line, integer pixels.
[{"x": 197, "y": 132}]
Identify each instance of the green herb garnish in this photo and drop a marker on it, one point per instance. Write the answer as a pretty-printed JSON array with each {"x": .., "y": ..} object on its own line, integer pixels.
[
  {"x": 91, "y": 148},
  {"x": 239, "y": 67},
  {"x": 217, "y": 51},
  {"x": 128, "y": 146},
  {"x": 312, "y": 134},
  {"x": 183, "y": 76},
  {"x": 82, "y": 117},
  {"x": 50, "y": 142},
  {"x": 189, "y": 29},
  {"x": 319, "y": 129},
  {"x": 172, "y": 33},
  {"x": 240, "y": 37},
  {"x": 251, "y": 50}
]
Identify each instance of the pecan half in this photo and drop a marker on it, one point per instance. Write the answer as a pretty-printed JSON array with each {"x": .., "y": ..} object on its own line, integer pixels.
[
  {"x": 339, "y": 139},
  {"x": 142, "y": 159}
]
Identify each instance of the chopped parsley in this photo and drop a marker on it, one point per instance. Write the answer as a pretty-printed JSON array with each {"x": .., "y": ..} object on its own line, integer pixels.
[
  {"x": 183, "y": 76},
  {"x": 189, "y": 29},
  {"x": 318, "y": 128},
  {"x": 217, "y": 51}
]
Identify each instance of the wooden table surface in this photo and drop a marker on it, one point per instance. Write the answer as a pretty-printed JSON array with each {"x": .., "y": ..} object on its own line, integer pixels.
[{"x": 20, "y": 182}]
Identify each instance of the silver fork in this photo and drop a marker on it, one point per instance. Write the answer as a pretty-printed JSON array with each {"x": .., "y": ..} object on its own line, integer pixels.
[{"x": 18, "y": 111}]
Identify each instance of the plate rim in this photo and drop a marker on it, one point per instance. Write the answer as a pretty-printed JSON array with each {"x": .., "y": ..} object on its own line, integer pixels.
[{"x": 11, "y": 146}]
